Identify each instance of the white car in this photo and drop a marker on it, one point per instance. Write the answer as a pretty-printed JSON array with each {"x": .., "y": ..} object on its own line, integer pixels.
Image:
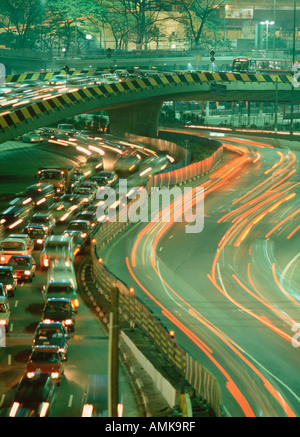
[
  {"x": 4, "y": 313},
  {"x": 12, "y": 246},
  {"x": 57, "y": 247},
  {"x": 26, "y": 238}
]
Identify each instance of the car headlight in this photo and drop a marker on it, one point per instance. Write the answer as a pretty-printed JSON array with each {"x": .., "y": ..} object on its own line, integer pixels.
[
  {"x": 46, "y": 262},
  {"x": 27, "y": 272},
  {"x": 30, "y": 375},
  {"x": 68, "y": 322},
  {"x": 9, "y": 287},
  {"x": 2, "y": 258},
  {"x": 83, "y": 235},
  {"x": 54, "y": 375},
  {"x": 62, "y": 350},
  {"x": 3, "y": 322},
  {"x": 85, "y": 199},
  {"x": 39, "y": 241}
]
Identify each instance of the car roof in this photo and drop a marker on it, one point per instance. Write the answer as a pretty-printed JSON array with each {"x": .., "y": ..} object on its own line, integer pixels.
[
  {"x": 49, "y": 325},
  {"x": 47, "y": 348},
  {"x": 20, "y": 240},
  {"x": 21, "y": 256}
]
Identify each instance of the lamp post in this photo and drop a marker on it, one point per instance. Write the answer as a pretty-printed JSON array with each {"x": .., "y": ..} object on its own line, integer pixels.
[{"x": 267, "y": 23}]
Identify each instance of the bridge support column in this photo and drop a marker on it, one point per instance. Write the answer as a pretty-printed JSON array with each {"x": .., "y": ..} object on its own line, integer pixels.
[{"x": 138, "y": 119}]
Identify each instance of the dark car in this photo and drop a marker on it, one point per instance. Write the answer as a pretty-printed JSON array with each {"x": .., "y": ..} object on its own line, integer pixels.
[
  {"x": 59, "y": 310},
  {"x": 52, "y": 334},
  {"x": 8, "y": 278},
  {"x": 89, "y": 216},
  {"x": 46, "y": 220},
  {"x": 33, "y": 397},
  {"x": 24, "y": 266},
  {"x": 38, "y": 234}
]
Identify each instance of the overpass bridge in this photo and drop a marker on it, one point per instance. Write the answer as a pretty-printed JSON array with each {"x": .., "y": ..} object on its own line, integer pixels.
[{"x": 134, "y": 105}]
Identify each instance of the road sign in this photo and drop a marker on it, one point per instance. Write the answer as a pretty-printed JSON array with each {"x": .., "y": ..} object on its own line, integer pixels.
[{"x": 218, "y": 89}]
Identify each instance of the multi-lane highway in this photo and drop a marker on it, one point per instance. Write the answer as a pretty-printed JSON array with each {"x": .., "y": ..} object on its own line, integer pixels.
[
  {"x": 230, "y": 292},
  {"x": 88, "y": 345}
]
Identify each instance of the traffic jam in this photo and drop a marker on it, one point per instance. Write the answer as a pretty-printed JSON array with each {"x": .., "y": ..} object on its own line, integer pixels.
[{"x": 42, "y": 230}]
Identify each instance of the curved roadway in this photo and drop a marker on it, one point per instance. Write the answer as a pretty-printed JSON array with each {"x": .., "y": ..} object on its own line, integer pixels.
[{"x": 231, "y": 292}]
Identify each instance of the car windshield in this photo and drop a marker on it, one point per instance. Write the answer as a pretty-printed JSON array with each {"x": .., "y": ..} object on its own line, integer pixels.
[
  {"x": 77, "y": 226},
  {"x": 45, "y": 357},
  {"x": 57, "y": 306},
  {"x": 49, "y": 333},
  {"x": 5, "y": 274},
  {"x": 12, "y": 245},
  {"x": 82, "y": 191},
  {"x": 39, "y": 219},
  {"x": 19, "y": 262},
  {"x": 33, "y": 232},
  {"x": 56, "y": 244},
  {"x": 60, "y": 288}
]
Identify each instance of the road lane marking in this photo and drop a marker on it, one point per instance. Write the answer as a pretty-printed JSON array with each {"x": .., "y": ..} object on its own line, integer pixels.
[
  {"x": 16, "y": 303},
  {"x": 287, "y": 268},
  {"x": 9, "y": 359},
  {"x": 70, "y": 401}
]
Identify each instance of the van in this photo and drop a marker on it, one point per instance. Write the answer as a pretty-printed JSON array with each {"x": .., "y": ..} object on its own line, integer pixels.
[
  {"x": 43, "y": 195},
  {"x": 61, "y": 284},
  {"x": 57, "y": 247}
]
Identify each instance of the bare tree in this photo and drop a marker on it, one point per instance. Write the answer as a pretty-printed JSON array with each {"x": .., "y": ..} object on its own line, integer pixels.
[
  {"x": 134, "y": 21},
  {"x": 21, "y": 20},
  {"x": 200, "y": 17}
]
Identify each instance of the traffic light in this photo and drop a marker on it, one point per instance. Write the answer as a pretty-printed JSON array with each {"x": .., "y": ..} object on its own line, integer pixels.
[
  {"x": 212, "y": 54},
  {"x": 108, "y": 53}
]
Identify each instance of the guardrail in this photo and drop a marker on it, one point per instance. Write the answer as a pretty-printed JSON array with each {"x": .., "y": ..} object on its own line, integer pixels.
[{"x": 136, "y": 312}]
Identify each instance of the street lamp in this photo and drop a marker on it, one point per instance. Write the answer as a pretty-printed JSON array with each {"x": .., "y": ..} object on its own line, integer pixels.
[{"x": 267, "y": 23}]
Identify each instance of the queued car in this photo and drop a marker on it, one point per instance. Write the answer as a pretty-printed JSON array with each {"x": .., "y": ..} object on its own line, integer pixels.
[
  {"x": 90, "y": 216},
  {"x": 46, "y": 220},
  {"x": 80, "y": 231},
  {"x": 26, "y": 238},
  {"x": 34, "y": 396},
  {"x": 24, "y": 267},
  {"x": 105, "y": 179},
  {"x": 12, "y": 246},
  {"x": 53, "y": 333},
  {"x": 14, "y": 216},
  {"x": 38, "y": 234},
  {"x": 59, "y": 310},
  {"x": 91, "y": 185},
  {"x": 32, "y": 137},
  {"x": 46, "y": 359},
  {"x": 57, "y": 247},
  {"x": 8, "y": 278},
  {"x": 3, "y": 292},
  {"x": 86, "y": 194},
  {"x": 4, "y": 313}
]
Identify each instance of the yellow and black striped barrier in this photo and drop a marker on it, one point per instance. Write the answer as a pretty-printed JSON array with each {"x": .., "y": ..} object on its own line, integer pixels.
[{"x": 95, "y": 97}]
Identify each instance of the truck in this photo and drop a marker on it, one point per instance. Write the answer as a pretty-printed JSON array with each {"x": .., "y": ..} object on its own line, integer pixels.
[{"x": 60, "y": 178}]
